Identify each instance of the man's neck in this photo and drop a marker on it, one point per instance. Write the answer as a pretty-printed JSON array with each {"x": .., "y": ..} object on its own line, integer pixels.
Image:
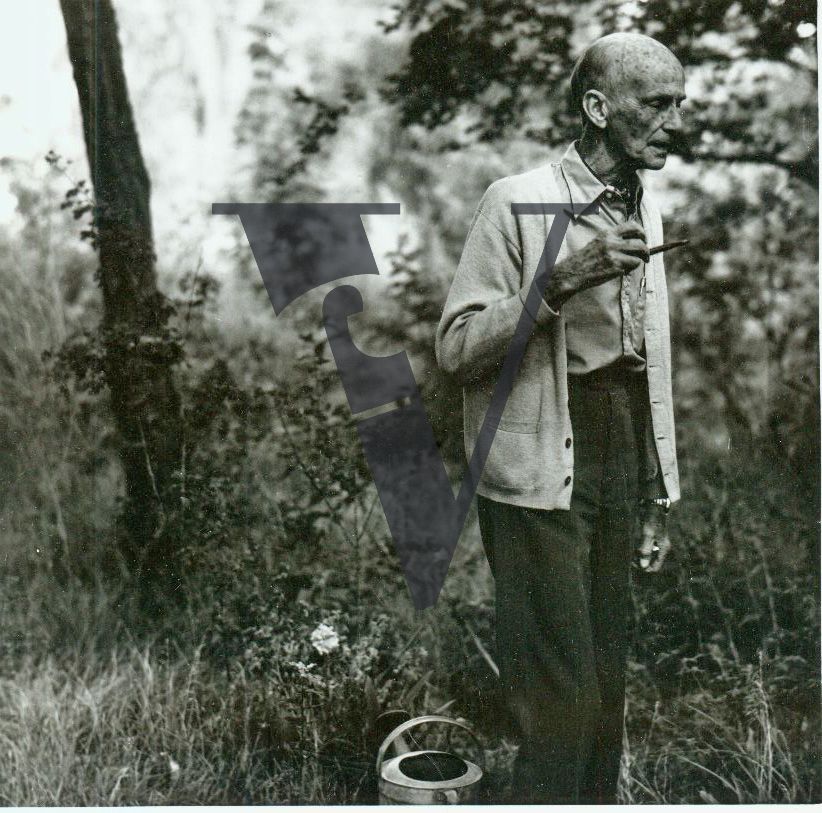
[{"x": 599, "y": 159}]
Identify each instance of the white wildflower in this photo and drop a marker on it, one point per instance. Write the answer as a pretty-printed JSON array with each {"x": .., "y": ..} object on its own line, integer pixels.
[
  {"x": 325, "y": 639},
  {"x": 302, "y": 668}
]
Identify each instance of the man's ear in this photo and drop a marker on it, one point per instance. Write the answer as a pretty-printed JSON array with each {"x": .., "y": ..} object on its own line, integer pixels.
[{"x": 595, "y": 106}]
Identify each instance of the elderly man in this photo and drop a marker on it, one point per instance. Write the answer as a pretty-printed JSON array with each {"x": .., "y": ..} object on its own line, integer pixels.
[{"x": 586, "y": 442}]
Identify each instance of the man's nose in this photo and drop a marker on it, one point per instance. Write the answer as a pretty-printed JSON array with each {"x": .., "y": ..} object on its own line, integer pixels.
[{"x": 673, "y": 121}]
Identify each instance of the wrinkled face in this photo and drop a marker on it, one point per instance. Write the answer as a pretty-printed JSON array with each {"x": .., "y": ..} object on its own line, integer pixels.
[{"x": 643, "y": 111}]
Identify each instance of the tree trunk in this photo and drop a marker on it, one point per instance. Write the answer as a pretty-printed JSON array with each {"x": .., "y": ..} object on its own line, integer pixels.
[{"x": 139, "y": 352}]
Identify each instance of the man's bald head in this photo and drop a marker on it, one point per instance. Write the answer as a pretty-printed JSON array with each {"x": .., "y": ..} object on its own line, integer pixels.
[{"x": 612, "y": 64}]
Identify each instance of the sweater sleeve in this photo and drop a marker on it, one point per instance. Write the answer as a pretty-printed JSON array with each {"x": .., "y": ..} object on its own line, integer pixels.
[
  {"x": 651, "y": 481},
  {"x": 487, "y": 295}
]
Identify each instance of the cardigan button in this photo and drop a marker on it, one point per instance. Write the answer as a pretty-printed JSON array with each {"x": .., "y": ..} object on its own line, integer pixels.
[
  {"x": 567, "y": 481},
  {"x": 567, "y": 443}
]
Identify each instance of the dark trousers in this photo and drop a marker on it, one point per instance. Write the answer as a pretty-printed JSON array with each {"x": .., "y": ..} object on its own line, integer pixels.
[{"x": 562, "y": 597}]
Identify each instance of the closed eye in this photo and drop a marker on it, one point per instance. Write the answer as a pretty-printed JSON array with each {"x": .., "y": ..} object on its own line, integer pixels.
[{"x": 665, "y": 101}]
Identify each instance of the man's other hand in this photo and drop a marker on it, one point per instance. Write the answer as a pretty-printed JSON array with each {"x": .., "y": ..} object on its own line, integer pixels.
[
  {"x": 614, "y": 254},
  {"x": 654, "y": 542}
]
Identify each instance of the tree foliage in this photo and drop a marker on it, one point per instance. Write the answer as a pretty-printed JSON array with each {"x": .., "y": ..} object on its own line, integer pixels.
[{"x": 499, "y": 64}]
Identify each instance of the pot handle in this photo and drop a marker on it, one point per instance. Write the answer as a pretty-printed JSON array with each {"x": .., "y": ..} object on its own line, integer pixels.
[
  {"x": 409, "y": 724},
  {"x": 449, "y": 797}
]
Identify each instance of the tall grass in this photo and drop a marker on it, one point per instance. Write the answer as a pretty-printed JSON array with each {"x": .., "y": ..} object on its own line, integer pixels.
[
  {"x": 722, "y": 748},
  {"x": 59, "y": 479},
  {"x": 163, "y": 726},
  {"x": 135, "y": 729}
]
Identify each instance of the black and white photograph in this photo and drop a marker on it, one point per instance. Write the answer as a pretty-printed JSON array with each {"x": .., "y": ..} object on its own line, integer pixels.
[{"x": 409, "y": 402}]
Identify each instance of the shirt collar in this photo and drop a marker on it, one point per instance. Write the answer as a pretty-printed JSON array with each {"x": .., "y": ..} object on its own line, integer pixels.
[{"x": 583, "y": 186}]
